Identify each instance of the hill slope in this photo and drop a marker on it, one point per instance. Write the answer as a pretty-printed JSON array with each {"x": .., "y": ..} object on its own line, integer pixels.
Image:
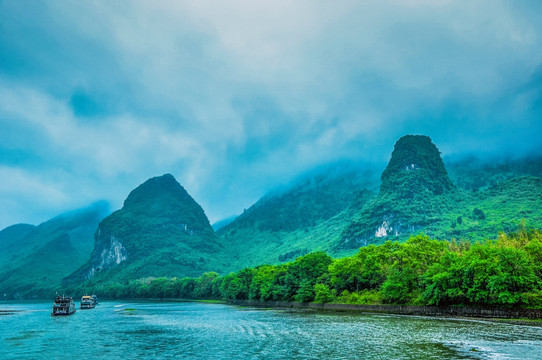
[
  {"x": 35, "y": 259},
  {"x": 474, "y": 174},
  {"x": 304, "y": 217}
]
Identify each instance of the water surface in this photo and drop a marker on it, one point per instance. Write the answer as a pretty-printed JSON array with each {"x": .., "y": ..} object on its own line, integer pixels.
[{"x": 153, "y": 330}]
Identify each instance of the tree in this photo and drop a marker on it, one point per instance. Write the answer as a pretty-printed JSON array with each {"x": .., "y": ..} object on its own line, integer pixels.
[
  {"x": 262, "y": 282},
  {"x": 305, "y": 292},
  {"x": 323, "y": 294},
  {"x": 478, "y": 214},
  {"x": 307, "y": 270}
]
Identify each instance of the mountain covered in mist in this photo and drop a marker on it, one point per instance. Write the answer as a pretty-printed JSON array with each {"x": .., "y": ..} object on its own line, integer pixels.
[
  {"x": 415, "y": 192},
  {"x": 34, "y": 259},
  {"x": 160, "y": 231},
  {"x": 416, "y": 195}
]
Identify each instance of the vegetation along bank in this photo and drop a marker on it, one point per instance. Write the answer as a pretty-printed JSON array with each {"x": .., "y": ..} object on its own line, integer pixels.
[{"x": 501, "y": 273}]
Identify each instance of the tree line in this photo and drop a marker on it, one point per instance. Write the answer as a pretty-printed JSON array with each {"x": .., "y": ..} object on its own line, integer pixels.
[{"x": 421, "y": 271}]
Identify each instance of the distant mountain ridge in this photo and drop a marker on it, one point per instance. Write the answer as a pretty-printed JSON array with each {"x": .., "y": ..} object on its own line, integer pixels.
[{"x": 34, "y": 259}]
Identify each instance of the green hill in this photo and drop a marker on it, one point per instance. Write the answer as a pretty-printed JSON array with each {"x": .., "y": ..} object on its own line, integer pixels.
[
  {"x": 160, "y": 231},
  {"x": 35, "y": 259},
  {"x": 10, "y": 240}
]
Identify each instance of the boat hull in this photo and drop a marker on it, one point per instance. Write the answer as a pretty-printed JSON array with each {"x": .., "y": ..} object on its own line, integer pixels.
[{"x": 63, "y": 314}]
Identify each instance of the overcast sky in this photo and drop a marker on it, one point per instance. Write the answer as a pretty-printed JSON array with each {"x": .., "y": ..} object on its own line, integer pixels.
[{"x": 235, "y": 97}]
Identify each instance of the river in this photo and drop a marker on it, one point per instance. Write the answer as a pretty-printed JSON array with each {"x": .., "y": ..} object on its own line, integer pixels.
[{"x": 160, "y": 330}]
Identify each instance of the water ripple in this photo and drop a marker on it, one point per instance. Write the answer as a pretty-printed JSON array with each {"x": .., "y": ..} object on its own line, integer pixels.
[{"x": 148, "y": 330}]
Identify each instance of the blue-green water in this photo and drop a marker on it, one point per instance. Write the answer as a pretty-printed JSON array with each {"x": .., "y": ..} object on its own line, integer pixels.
[{"x": 147, "y": 330}]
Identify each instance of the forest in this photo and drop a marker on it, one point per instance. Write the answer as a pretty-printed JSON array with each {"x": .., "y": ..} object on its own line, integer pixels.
[{"x": 503, "y": 272}]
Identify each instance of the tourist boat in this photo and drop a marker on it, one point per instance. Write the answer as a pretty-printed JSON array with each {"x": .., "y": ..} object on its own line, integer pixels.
[
  {"x": 95, "y": 299},
  {"x": 87, "y": 302},
  {"x": 63, "y": 305}
]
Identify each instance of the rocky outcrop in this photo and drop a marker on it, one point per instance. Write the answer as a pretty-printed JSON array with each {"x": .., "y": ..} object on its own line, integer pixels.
[{"x": 108, "y": 252}]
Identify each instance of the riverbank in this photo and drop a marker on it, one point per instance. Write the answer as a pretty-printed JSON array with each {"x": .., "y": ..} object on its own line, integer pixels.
[{"x": 515, "y": 315}]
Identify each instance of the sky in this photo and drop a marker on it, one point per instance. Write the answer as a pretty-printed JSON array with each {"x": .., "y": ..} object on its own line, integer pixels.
[{"x": 236, "y": 97}]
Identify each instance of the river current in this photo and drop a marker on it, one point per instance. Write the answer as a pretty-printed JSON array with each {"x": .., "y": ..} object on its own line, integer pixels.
[{"x": 160, "y": 330}]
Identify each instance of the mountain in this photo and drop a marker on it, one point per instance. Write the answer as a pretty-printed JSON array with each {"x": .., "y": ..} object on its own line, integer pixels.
[
  {"x": 35, "y": 259},
  {"x": 298, "y": 218},
  {"x": 415, "y": 191},
  {"x": 160, "y": 231},
  {"x": 336, "y": 208},
  {"x": 417, "y": 195},
  {"x": 10, "y": 237}
]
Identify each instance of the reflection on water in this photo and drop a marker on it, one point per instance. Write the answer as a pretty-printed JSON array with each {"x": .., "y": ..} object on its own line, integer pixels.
[{"x": 209, "y": 331}]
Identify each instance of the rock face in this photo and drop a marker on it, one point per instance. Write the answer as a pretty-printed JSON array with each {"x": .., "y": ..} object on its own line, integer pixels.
[
  {"x": 413, "y": 185},
  {"x": 160, "y": 223},
  {"x": 108, "y": 253}
]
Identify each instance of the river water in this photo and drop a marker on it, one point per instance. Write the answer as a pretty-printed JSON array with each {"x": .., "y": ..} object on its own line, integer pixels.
[{"x": 158, "y": 330}]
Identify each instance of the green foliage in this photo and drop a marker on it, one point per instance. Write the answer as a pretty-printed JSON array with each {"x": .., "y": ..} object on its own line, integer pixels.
[
  {"x": 366, "y": 270},
  {"x": 237, "y": 286},
  {"x": 323, "y": 294},
  {"x": 478, "y": 214},
  {"x": 362, "y": 297},
  {"x": 306, "y": 292}
]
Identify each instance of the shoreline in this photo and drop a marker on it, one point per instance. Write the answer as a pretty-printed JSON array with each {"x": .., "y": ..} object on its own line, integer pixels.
[{"x": 532, "y": 317}]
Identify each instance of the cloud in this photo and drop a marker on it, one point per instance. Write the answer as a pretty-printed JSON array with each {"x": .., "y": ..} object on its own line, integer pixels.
[{"x": 235, "y": 97}]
